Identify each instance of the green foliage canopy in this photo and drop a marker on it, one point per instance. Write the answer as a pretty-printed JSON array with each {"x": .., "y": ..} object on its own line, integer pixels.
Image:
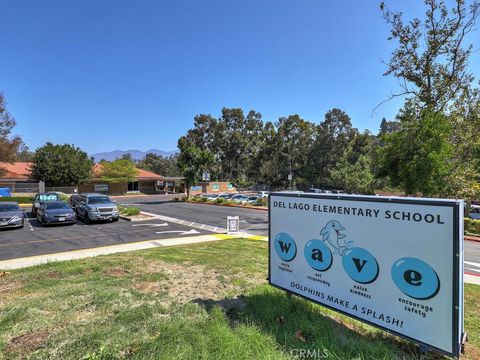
[
  {"x": 118, "y": 171},
  {"x": 61, "y": 165}
]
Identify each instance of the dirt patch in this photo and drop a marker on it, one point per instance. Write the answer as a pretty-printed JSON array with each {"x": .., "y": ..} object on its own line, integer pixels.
[
  {"x": 26, "y": 343},
  {"x": 149, "y": 287},
  {"x": 8, "y": 288},
  {"x": 186, "y": 283},
  {"x": 117, "y": 271}
]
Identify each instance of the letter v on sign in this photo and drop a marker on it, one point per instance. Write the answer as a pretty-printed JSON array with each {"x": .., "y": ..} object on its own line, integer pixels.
[{"x": 359, "y": 264}]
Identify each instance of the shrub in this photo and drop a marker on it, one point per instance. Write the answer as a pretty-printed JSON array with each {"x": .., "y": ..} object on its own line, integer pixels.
[
  {"x": 203, "y": 199},
  {"x": 220, "y": 200},
  {"x": 472, "y": 226},
  {"x": 130, "y": 211}
]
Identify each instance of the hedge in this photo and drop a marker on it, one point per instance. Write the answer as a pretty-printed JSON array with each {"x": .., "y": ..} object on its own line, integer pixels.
[
  {"x": 19, "y": 199},
  {"x": 472, "y": 226}
]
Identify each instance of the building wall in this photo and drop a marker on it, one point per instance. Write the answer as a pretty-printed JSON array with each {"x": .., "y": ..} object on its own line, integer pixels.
[
  {"x": 113, "y": 189},
  {"x": 147, "y": 187},
  {"x": 212, "y": 187}
]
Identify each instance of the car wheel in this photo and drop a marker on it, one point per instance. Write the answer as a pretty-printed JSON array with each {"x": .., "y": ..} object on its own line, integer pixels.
[
  {"x": 34, "y": 213},
  {"x": 86, "y": 218},
  {"x": 115, "y": 220}
]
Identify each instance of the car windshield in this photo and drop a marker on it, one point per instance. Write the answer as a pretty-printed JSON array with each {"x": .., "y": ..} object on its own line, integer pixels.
[
  {"x": 99, "y": 200},
  {"x": 8, "y": 207},
  {"x": 48, "y": 197},
  {"x": 56, "y": 206}
]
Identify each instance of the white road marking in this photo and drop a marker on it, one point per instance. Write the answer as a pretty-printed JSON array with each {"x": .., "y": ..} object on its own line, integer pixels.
[
  {"x": 29, "y": 225},
  {"x": 190, "y": 232},
  {"x": 472, "y": 263},
  {"x": 151, "y": 225}
]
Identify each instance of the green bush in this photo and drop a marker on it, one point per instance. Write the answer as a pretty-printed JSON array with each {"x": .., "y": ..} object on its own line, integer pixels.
[
  {"x": 261, "y": 202},
  {"x": 472, "y": 226},
  {"x": 220, "y": 200},
  {"x": 203, "y": 199},
  {"x": 19, "y": 199},
  {"x": 129, "y": 211}
]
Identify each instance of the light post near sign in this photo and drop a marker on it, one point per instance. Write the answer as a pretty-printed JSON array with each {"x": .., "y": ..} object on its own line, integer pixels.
[{"x": 395, "y": 263}]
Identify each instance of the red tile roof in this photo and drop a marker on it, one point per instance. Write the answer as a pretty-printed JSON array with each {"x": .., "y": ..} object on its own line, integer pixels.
[
  {"x": 21, "y": 170},
  {"x": 17, "y": 170}
]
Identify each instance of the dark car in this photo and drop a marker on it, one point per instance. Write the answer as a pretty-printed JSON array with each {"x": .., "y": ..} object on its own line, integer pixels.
[
  {"x": 73, "y": 200},
  {"x": 56, "y": 212},
  {"x": 11, "y": 216},
  {"x": 42, "y": 198},
  {"x": 93, "y": 207}
]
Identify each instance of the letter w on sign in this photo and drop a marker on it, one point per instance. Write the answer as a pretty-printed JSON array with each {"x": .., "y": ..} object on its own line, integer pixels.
[{"x": 285, "y": 247}]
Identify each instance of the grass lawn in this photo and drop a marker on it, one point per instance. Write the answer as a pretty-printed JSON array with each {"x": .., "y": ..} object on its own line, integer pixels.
[{"x": 183, "y": 303}]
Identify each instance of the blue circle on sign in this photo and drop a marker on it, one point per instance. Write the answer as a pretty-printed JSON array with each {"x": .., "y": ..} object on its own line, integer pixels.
[
  {"x": 285, "y": 247},
  {"x": 318, "y": 255},
  {"x": 360, "y": 265},
  {"x": 415, "y": 278}
]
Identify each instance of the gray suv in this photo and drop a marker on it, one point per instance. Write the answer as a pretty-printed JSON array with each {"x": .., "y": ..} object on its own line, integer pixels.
[{"x": 94, "y": 207}]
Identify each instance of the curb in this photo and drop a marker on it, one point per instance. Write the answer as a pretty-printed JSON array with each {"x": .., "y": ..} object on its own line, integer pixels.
[
  {"x": 230, "y": 205},
  {"x": 471, "y": 238},
  {"x": 126, "y": 218}
]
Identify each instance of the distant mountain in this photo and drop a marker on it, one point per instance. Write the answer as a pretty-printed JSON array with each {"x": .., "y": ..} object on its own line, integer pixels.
[{"x": 136, "y": 154}]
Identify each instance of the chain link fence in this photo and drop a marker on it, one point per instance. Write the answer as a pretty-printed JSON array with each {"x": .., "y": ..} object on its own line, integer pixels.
[{"x": 34, "y": 187}]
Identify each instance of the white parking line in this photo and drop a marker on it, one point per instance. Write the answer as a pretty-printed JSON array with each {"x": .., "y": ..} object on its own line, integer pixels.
[{"x": 29, "y": 225}]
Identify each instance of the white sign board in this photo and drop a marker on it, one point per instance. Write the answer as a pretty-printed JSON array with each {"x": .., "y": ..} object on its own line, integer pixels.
[
  {"x": 233, "y": 224},
  {"x": 395, "y": 263}
]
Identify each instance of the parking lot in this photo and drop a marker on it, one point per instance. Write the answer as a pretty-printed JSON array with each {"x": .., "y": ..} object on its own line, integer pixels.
[{"x": 34, "y": 239}]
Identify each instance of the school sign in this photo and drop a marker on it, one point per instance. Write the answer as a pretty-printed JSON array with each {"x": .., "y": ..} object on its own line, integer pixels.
[{"x": 395, "y": 263}]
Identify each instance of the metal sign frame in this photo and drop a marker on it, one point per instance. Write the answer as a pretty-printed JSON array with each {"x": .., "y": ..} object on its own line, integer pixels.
[{"x": 457, "y": 261}]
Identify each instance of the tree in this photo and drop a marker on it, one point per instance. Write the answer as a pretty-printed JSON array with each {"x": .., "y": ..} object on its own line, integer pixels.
[
  {"x": 431, "y": 59},
  {"x": 353, "y": 172},
  {"x": 119, "y": 171},
  {"x": 24, "y": 153},
  {"x": 161, "y": 165},
  {"x": 191, "y": 161},
  {"x": 416, "y": 157},
  {"x": 333, "y": 136},
  {"x": 8, "y": 144},
  {"x": 61, "y": 165}
]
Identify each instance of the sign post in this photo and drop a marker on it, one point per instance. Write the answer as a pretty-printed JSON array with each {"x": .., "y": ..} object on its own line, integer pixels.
[
  {"x": 394, "y": 263},
  {"x": 233, "y": 224}
]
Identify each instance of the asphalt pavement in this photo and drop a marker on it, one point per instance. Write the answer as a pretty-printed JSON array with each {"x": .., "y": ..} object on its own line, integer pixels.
[
  {"x": 252, "y": 221},
  {"x": 34, "y": 239}
]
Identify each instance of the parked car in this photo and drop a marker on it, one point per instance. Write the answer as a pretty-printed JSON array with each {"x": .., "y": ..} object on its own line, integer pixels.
[
  {"x": 11, "y": 216},
  {"x": 210, "y": 196},
  {"x": 474, "y": 212},
  {"x": 56, "y": 212},
  {"x": 262, "y": 194},
  {"x": 41, "y": 198},
  {"x": 94, "y": 207},
  {"x": 253, "y": 199},
  {"x": 239, "y": 198},
  {"x": 226, "y": 196}
]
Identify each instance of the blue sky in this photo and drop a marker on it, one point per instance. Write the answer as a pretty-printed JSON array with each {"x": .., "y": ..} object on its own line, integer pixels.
[{"x": 117, "y": 74}]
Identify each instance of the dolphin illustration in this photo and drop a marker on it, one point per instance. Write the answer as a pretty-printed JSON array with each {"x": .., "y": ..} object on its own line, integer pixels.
[{"x": 331, "y": 233}]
